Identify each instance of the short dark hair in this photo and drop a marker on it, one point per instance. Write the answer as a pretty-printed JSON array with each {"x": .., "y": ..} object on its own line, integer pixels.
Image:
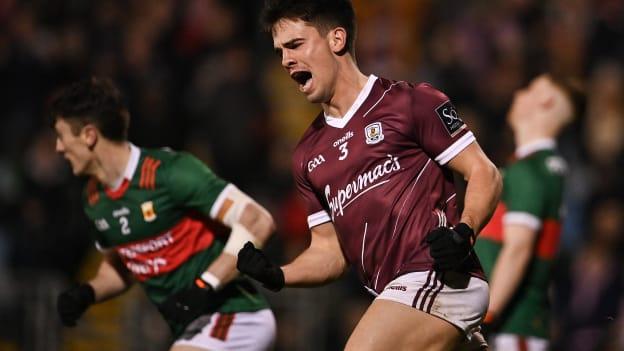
[
  {"x": 94, "y": 101},
  {"x": 323, "y": 14},
  {"x": 574, "y": 89}
]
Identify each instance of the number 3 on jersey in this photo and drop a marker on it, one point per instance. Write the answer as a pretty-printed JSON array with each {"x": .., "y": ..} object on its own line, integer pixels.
[{"x": 343, "y": 151}]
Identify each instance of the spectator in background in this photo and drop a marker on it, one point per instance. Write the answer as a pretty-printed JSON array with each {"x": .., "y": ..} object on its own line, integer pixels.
[
  {"x": 518, "y": 246},
  {"x": 588, "y": 285},
  {"x": 599, "y": 157},
  {"x": 605, "y": 119}
]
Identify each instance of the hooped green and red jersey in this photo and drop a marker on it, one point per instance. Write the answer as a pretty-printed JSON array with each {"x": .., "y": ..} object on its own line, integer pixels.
[
  {"x": 160, "y": 221},
  {"x": 532, "y": 196}
]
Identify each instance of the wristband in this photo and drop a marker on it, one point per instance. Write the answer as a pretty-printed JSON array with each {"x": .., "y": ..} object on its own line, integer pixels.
[{"x": 210, "y": 279}]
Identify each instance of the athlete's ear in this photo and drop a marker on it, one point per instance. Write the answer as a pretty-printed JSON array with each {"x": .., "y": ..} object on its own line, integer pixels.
[
  {"x": 337, "y": 40},
  {"x": 89, "y": 135}
]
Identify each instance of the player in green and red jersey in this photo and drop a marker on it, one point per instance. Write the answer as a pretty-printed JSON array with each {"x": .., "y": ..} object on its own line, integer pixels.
[
  {"x": 161, "y": 219},
  {"x": 519, "y": 244}
]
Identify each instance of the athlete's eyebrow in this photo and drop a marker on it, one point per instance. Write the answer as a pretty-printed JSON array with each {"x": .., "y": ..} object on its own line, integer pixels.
[{"x": 291, "y": 44}]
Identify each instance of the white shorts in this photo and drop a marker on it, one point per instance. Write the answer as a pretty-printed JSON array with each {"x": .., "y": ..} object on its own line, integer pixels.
[
  {"x": 512, "y": 342},
  {"x": 461, "y": 300},
  {"x": 245, "y": 331}
]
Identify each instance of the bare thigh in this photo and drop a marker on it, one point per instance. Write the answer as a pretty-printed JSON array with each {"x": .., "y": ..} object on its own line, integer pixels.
[{"x": 389, "y": 325}]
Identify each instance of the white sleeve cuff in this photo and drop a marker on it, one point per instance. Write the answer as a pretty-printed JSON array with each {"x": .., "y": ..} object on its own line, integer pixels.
[
  {"x": 523, "y": 218},
  {"x": 317, "y": 218},
  {"x": 455, "y": 148}
]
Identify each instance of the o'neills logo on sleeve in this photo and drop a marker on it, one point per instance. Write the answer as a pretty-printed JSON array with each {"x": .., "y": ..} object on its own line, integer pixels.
[{"x": 360, "y": 185}]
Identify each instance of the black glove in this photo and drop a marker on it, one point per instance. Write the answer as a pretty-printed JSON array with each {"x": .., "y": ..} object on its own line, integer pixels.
[
  {"x": 186, "y": 305},
  {"x": 448, "y": 247},
  {"x": 254, "y": 263},
  {"x": 71, "y": 304}
]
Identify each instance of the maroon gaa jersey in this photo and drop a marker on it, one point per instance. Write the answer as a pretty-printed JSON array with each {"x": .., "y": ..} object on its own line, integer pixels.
[{"x": 378, "y": 175}]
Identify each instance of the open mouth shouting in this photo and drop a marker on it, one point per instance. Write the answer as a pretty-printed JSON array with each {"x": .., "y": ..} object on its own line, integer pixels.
[{"x": 303, "y": 78}]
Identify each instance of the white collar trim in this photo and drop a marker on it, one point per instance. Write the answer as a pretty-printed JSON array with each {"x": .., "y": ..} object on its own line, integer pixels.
[
  {"x": 534, "y": 146},
  {"x": 341, "y": 122},
  {"x": 133, "y": 162}
]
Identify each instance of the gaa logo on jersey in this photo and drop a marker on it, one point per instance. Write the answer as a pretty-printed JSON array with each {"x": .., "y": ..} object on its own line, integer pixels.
[
  {"x": 148, "y": 211},
  {"x": 315, "y": 163},
  {"x": 374, "y": 133}
]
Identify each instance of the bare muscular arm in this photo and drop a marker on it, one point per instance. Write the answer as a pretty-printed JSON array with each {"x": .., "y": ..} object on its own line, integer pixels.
[
  {"x": 111, "y": 279},
  {"x": 321, "y": 263},
  {"x": 511, "y": 265},
  {"x": 484, "y": 185},
  {"x": 260, "y": 224}
]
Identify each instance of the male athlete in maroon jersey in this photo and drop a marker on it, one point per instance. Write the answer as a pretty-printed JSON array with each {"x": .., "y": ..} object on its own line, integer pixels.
[
  {"x": 385, "y": 153},
  {"x": 375, "y": 171}
]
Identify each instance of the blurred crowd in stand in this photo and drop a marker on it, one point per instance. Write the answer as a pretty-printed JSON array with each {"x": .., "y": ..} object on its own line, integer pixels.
[{"x": 199, "y": 75}]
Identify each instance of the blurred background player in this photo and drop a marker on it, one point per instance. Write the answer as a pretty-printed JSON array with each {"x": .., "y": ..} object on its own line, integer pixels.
[
  {"x": 375, "y": 172},
  {"x": 519, "y": 244},
  {"x": 158, "y": 215}
]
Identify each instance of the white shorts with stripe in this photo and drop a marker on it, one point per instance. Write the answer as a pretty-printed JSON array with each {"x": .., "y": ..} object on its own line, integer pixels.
[
  {"x": 458, "y": 298},
  {"x": 512, "y": 342},
  {"x": 245, "y": 331}
]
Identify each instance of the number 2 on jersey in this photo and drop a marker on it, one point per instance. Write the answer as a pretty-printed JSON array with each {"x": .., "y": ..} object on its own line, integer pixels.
[
  {"x": 343, "y": 151},
  {"x": 125, "y": 229}
]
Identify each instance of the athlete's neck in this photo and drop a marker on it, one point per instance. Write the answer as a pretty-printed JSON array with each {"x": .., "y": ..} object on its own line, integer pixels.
[
  {"x": 111, "y": 161},
  {"x": 349, "y": 83},
  {"x": 537, "y": 127},
  {"x": 531, "y": 136}
]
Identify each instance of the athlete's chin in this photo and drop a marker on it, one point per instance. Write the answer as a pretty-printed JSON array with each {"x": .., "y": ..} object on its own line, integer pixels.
[
  {"x": 315, "y": 97},
  {"x": 78, "y": 170}
]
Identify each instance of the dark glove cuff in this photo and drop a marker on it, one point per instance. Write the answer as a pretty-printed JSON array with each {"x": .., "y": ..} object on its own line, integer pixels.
[
  {"x": 465, "y": 231},
  {"x": 86, "y": 293},
  {"x": 278, "y": 283}
]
